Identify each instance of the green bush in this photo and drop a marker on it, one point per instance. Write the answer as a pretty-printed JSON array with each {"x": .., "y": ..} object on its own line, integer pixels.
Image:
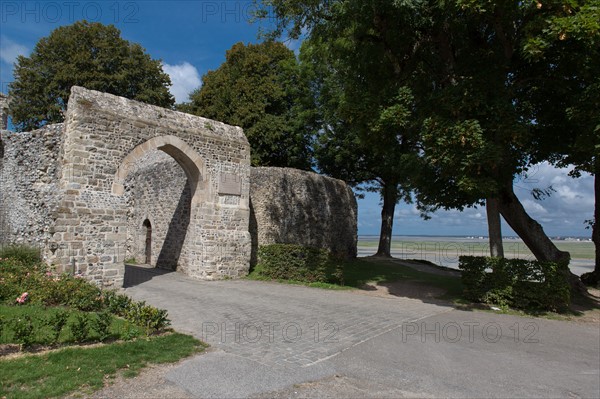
[
  {"x": 295, "y": 262},
  {"x": 517, "y": 283},
  {"x": 55, "y": 322},
  {"x": 147, "y": 316},
  {"x": 23, "y": 329},
  {"x": 50, "y": 290},
  {"x": 80, "y": 327},
  {"x": 116, "y": 303},
  {"x": 26, "y": 254},
  {"x": 101, "y": 324}
]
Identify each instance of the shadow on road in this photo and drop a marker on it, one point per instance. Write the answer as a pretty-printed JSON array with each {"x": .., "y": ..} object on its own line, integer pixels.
[{"x": 138, "y": 274}]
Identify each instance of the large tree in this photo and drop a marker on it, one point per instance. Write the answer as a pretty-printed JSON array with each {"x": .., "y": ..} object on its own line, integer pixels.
[
  {"x": 368, "y": 134},
  {"x": 563, "y": 51},
  {"x": 260, "y": 87},
  {"x": 464, "y": 69},
  {"x": 85, "y": 54}
]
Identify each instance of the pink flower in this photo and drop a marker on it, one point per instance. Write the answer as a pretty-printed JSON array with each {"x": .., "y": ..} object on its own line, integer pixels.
[
  {"x": 48, "y": 274},
  {"x": 22, "y": 298}
]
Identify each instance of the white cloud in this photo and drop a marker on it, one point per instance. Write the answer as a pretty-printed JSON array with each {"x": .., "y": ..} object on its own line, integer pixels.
[
  {"x": 10, "y": 50},
  {"x": 533, "y": 208},
  {"x": 561, "y": 214},
  {"x": 185, "y": 79}
]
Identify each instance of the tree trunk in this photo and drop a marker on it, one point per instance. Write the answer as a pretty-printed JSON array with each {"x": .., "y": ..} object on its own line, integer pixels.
[
  {"x": 494, "y": 227},
  {"x": 593, "y": 278},
  {"x": 596, "y": 227},
  {"x": 389, "y": 192},
  {"x": 533, "y": 235},
  {"x": 530, "y": 231}
]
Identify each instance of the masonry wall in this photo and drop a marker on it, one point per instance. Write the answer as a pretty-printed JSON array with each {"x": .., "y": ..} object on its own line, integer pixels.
[
  {"x": 29, "y": 173},
  {"x": 298, "y": 207},
  {"x": 105, "y": 136},
  {"x": 83, "y": 189},
  {"x": 3, "y": 111}
]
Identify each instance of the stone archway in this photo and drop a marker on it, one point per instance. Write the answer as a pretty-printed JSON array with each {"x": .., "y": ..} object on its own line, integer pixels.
[{"x": 103, "y": 137}]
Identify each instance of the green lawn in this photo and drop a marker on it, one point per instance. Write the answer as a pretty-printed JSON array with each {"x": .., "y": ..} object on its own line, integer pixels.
[
  {"x": 61, "y": 372},
  {"x": 360, "y": 271}
]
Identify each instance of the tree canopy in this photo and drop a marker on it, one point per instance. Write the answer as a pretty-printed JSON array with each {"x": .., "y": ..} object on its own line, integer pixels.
[
  {"x": 261, "y": 88},
  {"x": 468, "y": 67},
  {"x": 366, "y": 115},
  {"x": 85, "y": 54}
]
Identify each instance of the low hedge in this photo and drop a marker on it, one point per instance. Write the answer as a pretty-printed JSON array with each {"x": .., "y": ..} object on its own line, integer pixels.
[
  {"x": 517, "y": 283},
  {"x": 296, "y": 262}
]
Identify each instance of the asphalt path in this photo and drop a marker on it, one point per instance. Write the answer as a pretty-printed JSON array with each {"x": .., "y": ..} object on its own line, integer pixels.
[{"x": 273, "y": 340}]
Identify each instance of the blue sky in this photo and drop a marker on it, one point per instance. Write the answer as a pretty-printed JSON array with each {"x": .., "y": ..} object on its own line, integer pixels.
[{"x": 191, "y": 38}]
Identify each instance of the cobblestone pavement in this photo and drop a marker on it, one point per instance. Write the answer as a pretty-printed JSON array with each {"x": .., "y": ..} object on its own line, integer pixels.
[{"x": 275, "y": 324}]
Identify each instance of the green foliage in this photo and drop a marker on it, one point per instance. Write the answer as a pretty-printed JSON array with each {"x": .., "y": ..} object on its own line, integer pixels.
[
  {"x": 56, "y": 322},
  {"x": 85, "y": 54},
  {"x": 147, "y": 316},
  {"x": 50, "y": 290},
  {"x": 516, "y": 283},
  {"x": 443, "y": 97},
  {"x": 25, "y": 254},
  {"x": 23, "y": 330},
  {"x": 261, "y": 88},
  {"x": 80, "y": 327},
  {"x": 117, "y": 303},
  {"x": 46, "y": 288},
  {"x": 294, "y": 262},
  {"x": 101, "y": 324}
]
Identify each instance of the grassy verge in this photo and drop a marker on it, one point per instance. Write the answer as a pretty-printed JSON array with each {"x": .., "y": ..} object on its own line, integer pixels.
[
  {"x": 358, "y": 272},
  {"x": 58, "y": 373}
]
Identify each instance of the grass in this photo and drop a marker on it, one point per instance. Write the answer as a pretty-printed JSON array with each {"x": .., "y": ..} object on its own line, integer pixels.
[
  {"x": 359, "y": 272},
  {"x": 58, "y": 373}
]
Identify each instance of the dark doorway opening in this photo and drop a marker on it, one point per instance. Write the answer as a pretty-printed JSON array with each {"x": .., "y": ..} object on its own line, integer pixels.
[{"x": 148, "y": 247}]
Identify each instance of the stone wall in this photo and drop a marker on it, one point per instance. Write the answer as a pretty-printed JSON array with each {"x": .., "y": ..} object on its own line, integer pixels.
[
  {"x": 29, "y": 172},
  {"x": 86, "y": 191},
  {"x": 121, "y": 180},
  {"x": 3, "y": 111},
  {"x": 298, "y": 207}
]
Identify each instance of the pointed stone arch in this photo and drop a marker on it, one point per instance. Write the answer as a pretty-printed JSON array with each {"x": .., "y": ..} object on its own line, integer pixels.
[{"x": 189, "y": 160}]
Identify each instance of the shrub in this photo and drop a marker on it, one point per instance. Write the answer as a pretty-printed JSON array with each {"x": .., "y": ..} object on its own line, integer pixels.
[
  {"x": 517, "y": 283},
  {"x": 147, "y": 316},
  {"x": 50, "y": 290},
  {"x": 23, "y": 331},
  {"x": 80, "y": 327},
  {"x": 116, "y": 303},
  {"x": 294, "y": 262},
  {"x": 26, "y": 254},
  {"x": 102, "y": 323},
  {"x": 129, "y": 332},
  {"x": 56, "y": 322}
]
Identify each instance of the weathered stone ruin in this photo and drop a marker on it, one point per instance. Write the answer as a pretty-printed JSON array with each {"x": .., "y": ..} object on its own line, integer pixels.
[{"x": 121, "y": 180}]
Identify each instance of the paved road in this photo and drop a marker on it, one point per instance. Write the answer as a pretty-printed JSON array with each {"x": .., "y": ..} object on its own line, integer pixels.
[{"x": 272, "y": 340}]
